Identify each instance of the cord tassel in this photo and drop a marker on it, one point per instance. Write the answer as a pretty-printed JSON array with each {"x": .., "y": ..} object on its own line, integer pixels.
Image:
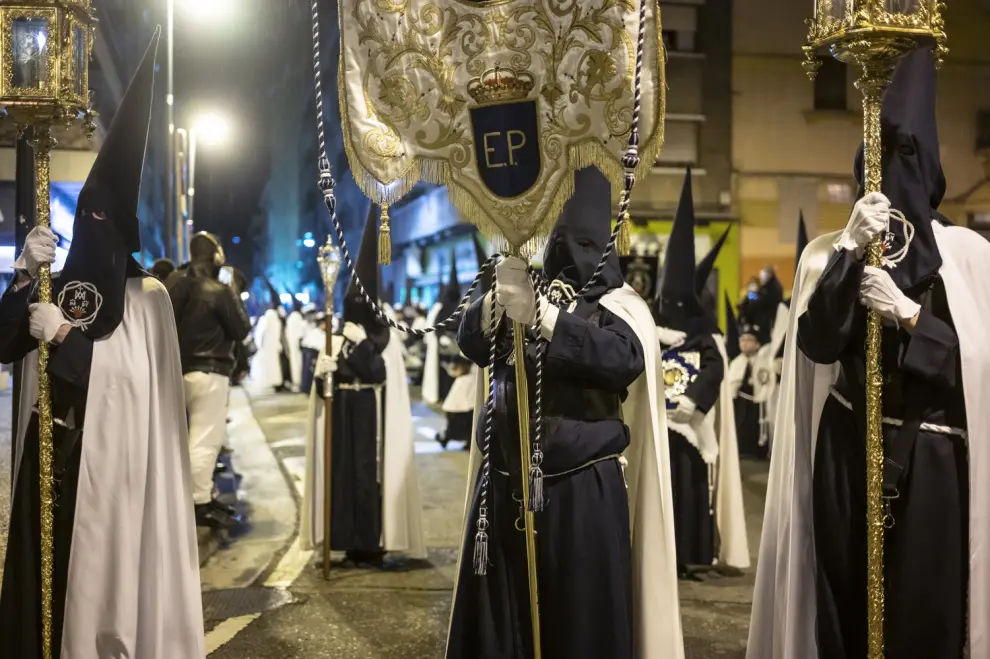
[
  {"x": 481, "y": 548},
  {"x": 536, "y": 498},
  {"x": 623, "y": 243},
  {"x": 385, "y": 239}
]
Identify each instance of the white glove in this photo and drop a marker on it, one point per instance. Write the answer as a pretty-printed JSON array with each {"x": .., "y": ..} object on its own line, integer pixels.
[
  {"x": 670, "y": 338},
  {"x": 46, "y": 320},
  {"x": 868, "y": 220},
  {"x": 684, "y": 411},
  {"x": 39, "y": 248},
  {"x": 879, "y": 292},
  {"x": 514, "y": 290},
  {"x": 445, "y": 341},
  {"x": 325, "y": 365},
  {"x": 354, "y": 333}
]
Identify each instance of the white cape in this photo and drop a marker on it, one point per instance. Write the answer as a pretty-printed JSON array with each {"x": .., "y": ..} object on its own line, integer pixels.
[
  {"x": 462, "y": 392},
  {"x": 431, "y": 367},
  {"x": 784, "y": 605},
  {"x": 266, "y": 369},
  {"x": 657, "y": 618},
  {"x": 402, "y": 510},
  {"x": 295, "y": 330},
  {"x": 730, "y": 515},
  {"x": 133, "y": 583}
]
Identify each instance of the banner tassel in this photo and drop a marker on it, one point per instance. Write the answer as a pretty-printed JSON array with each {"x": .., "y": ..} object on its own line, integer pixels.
[
  {"x": 385, "y": 239},
  {"x": 623, "y": 243}
]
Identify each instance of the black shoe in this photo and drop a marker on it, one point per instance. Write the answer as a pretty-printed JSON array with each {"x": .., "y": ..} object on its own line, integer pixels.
[
  {"x": 442, "y": 440},
  {"x": 216, "y": 516}
]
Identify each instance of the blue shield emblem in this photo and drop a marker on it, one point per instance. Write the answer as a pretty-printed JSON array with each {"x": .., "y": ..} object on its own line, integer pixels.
[
  {"x": 680, "y": 370},
  {"x": 507, "y": 147}
]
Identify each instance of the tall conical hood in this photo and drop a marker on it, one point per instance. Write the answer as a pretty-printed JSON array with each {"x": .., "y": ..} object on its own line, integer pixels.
[
  {"x": 356, "y": 309},
  {"x": 114, "y": 182},
  {"x": 678, "y": 305},
  {"x": 704, "y": 268},
  {"x": 451, "y": 295},
  {"x": 481, "y": 255},
  {"x": 105, "y": 232},
  {"x": 912, "y": 167},
  {"x": 578, "y": 240},
  {"x": 802, "y": 241},
  {"x": 731, "y": 330}
]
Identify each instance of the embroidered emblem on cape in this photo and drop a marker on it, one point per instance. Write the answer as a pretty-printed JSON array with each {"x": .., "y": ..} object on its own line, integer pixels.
[
  {"x": 680, "y": 370},
  {"x": 80, "y": 303},
  {"x": 764, "y": 376},
  {"x": 561, "y": 293}
]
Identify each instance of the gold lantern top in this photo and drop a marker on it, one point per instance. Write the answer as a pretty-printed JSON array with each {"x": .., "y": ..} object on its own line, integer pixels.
[
  {"x": 45, "y": 48},
  {"x": 859, "y": 31}
]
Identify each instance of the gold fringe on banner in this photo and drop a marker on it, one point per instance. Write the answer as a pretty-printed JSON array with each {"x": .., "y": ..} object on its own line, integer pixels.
[{"x": 385, "y": 239}]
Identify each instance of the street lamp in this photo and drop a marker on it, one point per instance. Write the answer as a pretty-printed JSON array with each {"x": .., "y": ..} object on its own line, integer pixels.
[
  {"x": 44, "y": 83},
  {"x": 205, "y": 9},
  {"x": 212, "y": 129},
  {"x": 873, "y": 34}
]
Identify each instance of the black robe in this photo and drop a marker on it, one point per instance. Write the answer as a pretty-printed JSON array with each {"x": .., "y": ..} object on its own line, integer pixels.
[
  {"x": 694, "y": 523},
  {"x": 747, "y": 413},
  {"x": 20, "y": 596},
  {"x": 356, "y": 522},
  {"x": 926, "y": 549},
  {"x": 583, "y": 535}
]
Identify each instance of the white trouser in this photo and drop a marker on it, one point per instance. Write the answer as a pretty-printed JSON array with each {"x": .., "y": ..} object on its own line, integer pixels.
[{"x": 206, "y": 403}]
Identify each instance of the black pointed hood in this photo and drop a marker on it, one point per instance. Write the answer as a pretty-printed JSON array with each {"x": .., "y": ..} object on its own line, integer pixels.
[
  {"x": 485, "y": 284},
  {"x": 451, "y": 295},
  {"x": 704, "y": 268},
  {"x": 105, "y": 233},
  {"x": 678, "y": 306},
  {"x": 356, "y": 309},
  {"x": 731, "y": 330},
  {"x": 579, "y": 237},
  {"x": 802, "y": 241},
  {"x": 912, "y": 166}
]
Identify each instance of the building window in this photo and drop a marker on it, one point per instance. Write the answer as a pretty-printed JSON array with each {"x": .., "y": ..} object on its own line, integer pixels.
[
  {"x": 982, "y": 130},
  {"x": 839, "y": 193},
  {"x": 680, "y": 28},
  {"x": 680, "y": 145},
  {"x": 831, "y": 85}
]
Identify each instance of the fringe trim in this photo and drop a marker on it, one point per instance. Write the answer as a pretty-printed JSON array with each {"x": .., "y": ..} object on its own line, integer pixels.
[{"x": 526, "y": 242}]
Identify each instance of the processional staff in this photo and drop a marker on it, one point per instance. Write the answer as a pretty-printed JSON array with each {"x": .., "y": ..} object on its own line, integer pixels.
[
  {"x": 873, "y": 34},
  {"x": 44, "y": 85}
]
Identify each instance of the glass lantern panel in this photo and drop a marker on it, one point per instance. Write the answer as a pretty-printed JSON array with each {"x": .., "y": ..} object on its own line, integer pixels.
[
  {"x": 902, "y": 6},
  {"x": 838, "y": 9},
  {"x": 79, "y": 59},
  {"x": 30, "y": 56}
]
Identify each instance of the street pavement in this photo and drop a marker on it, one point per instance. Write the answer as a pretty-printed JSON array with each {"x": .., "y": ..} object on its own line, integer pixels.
[{"x": 265, "y": 598}]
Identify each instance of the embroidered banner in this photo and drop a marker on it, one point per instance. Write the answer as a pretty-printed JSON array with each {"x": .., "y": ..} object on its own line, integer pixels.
[{"x": 500, "y": 101}]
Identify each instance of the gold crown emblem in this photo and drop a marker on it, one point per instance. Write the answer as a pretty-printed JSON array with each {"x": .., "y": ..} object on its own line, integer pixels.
[{"x": 499, "y": 84}]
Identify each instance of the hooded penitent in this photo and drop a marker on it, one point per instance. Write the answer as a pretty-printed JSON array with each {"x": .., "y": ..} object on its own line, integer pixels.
[
  {"x": 678, "y": 306},
  {"x": 105, "y": 233},
  {"x": 802, "y": 240},
  {"x": 356, "y": 308},
  {"x": 912, "y": 167},
  {"x": 575, "y": 247}
]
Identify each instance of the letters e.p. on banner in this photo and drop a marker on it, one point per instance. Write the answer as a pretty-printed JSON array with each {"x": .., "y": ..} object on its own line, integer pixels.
[{"x": 500, "y": 101}]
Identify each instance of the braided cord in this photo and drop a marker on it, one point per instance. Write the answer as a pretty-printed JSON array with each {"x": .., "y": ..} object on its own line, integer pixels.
[
  {"x": 327, "y": 185},
  {"x": 481, "y": 538}
]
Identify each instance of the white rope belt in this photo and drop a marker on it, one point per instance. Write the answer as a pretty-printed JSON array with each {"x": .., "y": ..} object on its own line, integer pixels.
[
  {"x": 745, "y": 396},
  {"x": 360, "y": 387},
  {"x": 927, "y": 427},
  {"x": 615, "y": 456},
  {"x": 55, "y": 420}
]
